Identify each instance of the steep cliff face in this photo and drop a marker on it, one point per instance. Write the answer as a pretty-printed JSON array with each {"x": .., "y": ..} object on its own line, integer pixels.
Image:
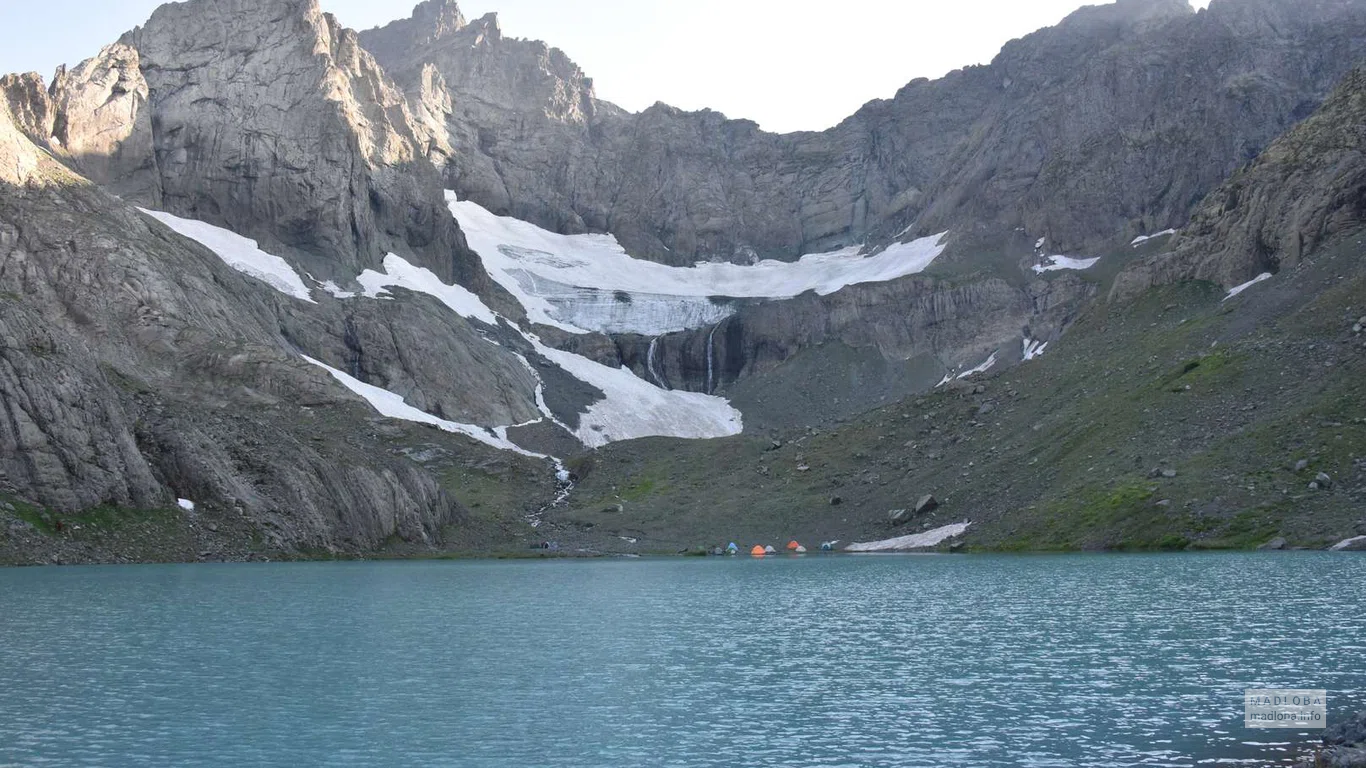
[
  {"x": 267, "y": 118},
  {"x": 813, "y": 359},
  {"x": 270, "y": 120},
  {"x": 1112, "y": 124},
  {"x": 1308, "y": 186}
]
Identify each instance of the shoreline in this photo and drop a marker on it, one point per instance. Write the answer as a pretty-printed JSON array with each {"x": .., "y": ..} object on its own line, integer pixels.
[{"x": 539, "y": 554}]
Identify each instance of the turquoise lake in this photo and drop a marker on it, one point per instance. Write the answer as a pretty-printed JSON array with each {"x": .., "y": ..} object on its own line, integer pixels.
[{"x": 1075, "y": 660}]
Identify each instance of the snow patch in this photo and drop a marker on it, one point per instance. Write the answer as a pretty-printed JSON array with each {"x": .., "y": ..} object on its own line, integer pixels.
[
  {"x": 1056, "y": 263},
  {"x": 1237, "y": 289},
  {"x": 914, "y": 541},
  {"x": 1344, "y": 544},
  {"x": 398, "y": 273},
  {"x": 635, "y": 408},
  {"x": 1033, "y": 348},
  {"x": 334, "y": 289},
  {"x": 1141, "y": 239},
  {"x": 983, "y": 368},
  {"x": 539, "y": 267},
  {"x": 185, "y": 504},
  {"x": 1038, "y": 246},
  {"x": 240, "y": 253},
  {"x": 392, "y": 405}
]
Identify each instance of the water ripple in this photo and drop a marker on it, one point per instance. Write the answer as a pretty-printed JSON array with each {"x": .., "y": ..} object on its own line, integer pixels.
[{"x": 835, "y": 661}]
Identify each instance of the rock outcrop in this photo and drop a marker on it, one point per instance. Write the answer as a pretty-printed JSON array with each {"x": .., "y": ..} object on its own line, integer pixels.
[
  {"x": 1305, "y": 188},
  {"x": 262, "y": 116},
  {"x": 269, "y": 119}
]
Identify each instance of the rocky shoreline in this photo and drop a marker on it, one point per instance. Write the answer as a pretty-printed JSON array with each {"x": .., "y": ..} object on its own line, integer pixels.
[{"x": 1344, "y": 746}]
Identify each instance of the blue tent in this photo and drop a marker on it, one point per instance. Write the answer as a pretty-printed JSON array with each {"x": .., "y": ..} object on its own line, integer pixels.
[{"x": 732, "y": 548}]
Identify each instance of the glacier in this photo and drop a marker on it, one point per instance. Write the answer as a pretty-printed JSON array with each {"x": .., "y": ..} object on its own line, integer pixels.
[
  {"x": 648, "y": 314},
  {"x": 582, "y": 283}
]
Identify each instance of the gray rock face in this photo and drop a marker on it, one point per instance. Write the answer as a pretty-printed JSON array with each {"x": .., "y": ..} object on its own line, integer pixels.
[
  {"x": 29, "y": 106},
  {"x": 135, "y": 368},
  {"x": 269, "y": 119},
  {"x": 1114, "y": 123},
  {"x": 102, "y": 124},
  {"x": 1304, "y": 189},
  {"x": 920, "y": 326},
  {"x": 1345, "y": 745},
  {"x": 63, "y": 433},
  {"x": 418, "y": 349},
  {"x": 262, "y": 116}
]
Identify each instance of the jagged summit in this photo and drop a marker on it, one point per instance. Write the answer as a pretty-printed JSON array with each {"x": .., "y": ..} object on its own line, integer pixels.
[
  {"x": 430, "y": 22},
  {"x": 1134, "y": 11},
  {"x": 441, "y": 16},
  {"x": 479, "y": 63}
]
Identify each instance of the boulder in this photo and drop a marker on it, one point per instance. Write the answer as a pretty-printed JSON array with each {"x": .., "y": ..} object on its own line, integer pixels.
[
  {"x": 928, "y": 503},
  {"x": 1348, "y": 732},
  {"x": 1275, "y": 544},
  {"x": 1345, "y": 745},
  {"x": 899, "y": 516}
]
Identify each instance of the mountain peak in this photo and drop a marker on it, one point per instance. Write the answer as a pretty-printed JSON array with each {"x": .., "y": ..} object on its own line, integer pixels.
[
  {"x": 440, "y": 17},
  {"x": 1129, "y": 13},
  {"x": 443, "y": 14}
]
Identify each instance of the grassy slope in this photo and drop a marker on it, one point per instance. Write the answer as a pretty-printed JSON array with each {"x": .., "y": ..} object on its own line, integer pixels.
[{"x": 1057, "y": 453}]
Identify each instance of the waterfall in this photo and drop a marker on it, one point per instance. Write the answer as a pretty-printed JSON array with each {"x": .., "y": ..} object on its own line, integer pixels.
[
  {"x": 710, "y": 357},
  {"x": 650, "y": 363}
]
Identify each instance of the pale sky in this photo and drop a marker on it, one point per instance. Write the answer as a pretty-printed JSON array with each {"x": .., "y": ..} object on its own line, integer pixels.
[{"x": 787, "y": 64}]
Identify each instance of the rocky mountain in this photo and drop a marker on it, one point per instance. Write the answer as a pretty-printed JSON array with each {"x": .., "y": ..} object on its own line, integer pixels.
[
  {"x": 1112, "y": 124},
  {"x": 269, "y": 286},
  {"x": 136, "y": 368},
  {"x": 267, "y": 119},
  {"x": 1308, "y": 187}
]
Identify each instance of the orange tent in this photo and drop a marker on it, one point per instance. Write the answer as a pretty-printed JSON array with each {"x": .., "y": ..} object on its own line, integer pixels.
[
  {"x": 792, "y": 545},
  {"x": 758, "y": 551}
]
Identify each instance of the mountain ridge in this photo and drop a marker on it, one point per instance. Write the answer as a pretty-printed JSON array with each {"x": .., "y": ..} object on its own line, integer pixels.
[{"x": 144, "y": 363}]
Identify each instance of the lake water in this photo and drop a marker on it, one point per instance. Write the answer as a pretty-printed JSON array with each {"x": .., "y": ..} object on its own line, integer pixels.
[{"x": 850, "y": 661}]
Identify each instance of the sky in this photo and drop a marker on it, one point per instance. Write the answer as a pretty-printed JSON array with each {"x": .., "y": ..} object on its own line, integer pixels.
[{"x": 786, "y": 64}]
